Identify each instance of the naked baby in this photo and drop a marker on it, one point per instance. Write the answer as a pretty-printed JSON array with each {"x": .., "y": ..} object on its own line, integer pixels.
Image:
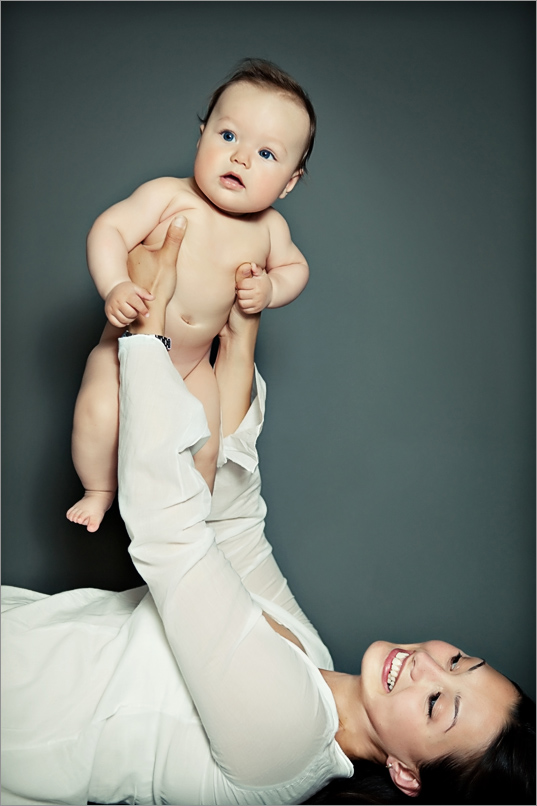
[{"x": 255, "y": 140}]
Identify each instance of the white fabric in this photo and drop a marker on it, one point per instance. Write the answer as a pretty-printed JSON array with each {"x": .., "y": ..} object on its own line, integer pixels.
[{"x": 182, "y": 694}]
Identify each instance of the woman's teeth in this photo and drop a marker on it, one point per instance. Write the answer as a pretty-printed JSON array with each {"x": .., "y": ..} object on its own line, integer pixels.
[{"x": 395, "y": 668}]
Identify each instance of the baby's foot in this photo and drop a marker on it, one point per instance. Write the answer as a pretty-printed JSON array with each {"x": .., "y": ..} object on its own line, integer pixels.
[{"x": 89, "y": 511}]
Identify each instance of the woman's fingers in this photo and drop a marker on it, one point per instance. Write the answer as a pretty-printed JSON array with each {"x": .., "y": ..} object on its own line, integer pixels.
[
  {"x": 243, "y": 273},
  {"x": 174, "y": 239}
]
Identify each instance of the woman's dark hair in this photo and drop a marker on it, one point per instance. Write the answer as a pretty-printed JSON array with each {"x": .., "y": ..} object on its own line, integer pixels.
[
  {"x": 263, "y": 73},
  {"x": 503, "y": 775}
]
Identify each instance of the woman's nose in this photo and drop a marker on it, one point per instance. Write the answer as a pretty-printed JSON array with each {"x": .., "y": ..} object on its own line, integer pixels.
[{"x": 424, "y": 667}]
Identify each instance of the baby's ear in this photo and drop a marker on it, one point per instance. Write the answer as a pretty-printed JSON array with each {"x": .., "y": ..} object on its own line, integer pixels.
[
  {"x": 291, "y": 184},
  {"x": 202, "y": 128},
  {"x": 403, "y": 777}
]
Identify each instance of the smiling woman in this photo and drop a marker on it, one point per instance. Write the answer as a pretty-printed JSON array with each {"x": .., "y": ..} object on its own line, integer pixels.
[
  {"x": 441, "y": 702},
  {"x": 450, "y": 727}
]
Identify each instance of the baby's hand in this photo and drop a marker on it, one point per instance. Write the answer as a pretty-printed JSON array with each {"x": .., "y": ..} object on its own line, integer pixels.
[
  {"x": 125, "y": 302},
  {"x": 254, "y": 293}
]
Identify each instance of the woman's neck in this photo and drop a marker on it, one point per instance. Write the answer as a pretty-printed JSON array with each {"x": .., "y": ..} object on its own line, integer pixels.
[{"x": 355, "y": 732}]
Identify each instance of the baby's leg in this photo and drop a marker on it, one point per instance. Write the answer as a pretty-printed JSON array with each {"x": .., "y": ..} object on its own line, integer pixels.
[
  {"x": 201, "y": 382},
  {"x": 95, "y": 435}
]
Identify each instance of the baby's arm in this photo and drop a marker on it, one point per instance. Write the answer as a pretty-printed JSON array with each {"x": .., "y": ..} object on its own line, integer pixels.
[
  {"x": 115, "y": 232},
  {"x": 286, "y": 272}
]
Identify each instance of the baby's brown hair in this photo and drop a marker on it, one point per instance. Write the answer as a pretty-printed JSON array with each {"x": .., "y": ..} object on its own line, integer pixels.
[{"x": 263, "y": 73}]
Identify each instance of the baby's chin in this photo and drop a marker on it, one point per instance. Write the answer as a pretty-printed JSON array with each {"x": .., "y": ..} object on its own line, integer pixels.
[{"x": 234, "y": 207}]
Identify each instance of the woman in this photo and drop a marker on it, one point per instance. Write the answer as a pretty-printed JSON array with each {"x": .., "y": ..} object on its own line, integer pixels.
[{"x": 213, "y": 687}]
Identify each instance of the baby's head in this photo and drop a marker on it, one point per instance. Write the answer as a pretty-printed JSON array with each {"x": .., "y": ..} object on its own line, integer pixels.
[{"x": 256, "y": 138}]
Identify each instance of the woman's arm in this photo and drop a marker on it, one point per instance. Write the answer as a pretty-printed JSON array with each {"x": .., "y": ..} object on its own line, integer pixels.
[
  {"x": 234, "y": 366},
  {"x": 263, "y": 712},
  {"x": 237, "y": 508}
]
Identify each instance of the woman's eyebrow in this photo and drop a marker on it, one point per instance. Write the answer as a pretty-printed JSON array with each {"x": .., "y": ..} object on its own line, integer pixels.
[
  {"x": 458, "y": 697},
  {"x": 481, "y": 663},
  {"x": 457, "y": 703}
]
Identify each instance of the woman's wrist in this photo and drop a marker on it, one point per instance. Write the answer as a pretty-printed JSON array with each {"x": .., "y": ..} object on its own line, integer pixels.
[
  {"x": 234, "y": 369},
  {"x": 164, "y": 339},
  {"x": 236, "y": 350},
  {"x": 152, "y": 325}
]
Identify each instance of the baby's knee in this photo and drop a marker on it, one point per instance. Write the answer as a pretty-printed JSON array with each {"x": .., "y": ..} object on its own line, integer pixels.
[
  {"x": 97, "y": 403},
  {"x": 102, "y": 371},
  {"x": 104, "y": 357}
]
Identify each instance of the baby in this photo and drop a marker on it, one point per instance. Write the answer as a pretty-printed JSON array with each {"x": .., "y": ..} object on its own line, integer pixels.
[{"x": 255, "y": 140}]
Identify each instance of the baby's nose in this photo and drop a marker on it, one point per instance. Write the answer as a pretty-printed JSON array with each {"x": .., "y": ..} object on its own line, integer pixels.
[{"x": 241, "y": 157}]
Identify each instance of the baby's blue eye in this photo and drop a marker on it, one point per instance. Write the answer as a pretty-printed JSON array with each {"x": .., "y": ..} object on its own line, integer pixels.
[
  {"x": 228, "y": 136},
  {"x": 266, "y": 154}
]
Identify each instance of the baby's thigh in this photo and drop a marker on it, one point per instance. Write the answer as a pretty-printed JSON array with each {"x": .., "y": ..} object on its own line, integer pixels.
[
  {"x": 201, "y": 382},
  {"x": 102, "y": 367}
]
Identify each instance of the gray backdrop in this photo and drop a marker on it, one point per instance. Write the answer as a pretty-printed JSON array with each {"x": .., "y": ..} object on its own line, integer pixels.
[{"x": 398, "y": 452}]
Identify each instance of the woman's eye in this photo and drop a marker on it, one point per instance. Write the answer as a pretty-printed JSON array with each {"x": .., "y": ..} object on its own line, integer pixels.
[
  {"x": 266, "y": 154},
  {"x": 432, "y": 702},
  {"x": 228, "y": 136},
  {"x": 454, "y": 660}
]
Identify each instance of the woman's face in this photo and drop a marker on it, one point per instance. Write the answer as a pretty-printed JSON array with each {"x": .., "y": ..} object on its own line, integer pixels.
[{"x": 427, "y": 700}]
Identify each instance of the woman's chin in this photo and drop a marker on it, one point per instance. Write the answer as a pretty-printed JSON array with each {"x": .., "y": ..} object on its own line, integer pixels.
[{"x": 373, "y": 662}]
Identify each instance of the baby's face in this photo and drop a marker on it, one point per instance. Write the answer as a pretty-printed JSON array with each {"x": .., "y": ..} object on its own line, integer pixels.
[{"x": 250, "y": 148}]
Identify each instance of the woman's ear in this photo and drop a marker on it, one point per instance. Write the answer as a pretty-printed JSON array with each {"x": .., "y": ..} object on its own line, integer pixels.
[
  {"x": 290, "y": 185},
  {"x": 403, "y": 777}
]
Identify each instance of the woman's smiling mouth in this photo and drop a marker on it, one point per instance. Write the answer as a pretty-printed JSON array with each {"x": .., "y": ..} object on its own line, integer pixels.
[{"x": 392, "y": 667}]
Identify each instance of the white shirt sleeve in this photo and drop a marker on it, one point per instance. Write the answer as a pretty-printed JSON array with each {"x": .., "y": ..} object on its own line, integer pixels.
[{"x": 256, "y": 696}]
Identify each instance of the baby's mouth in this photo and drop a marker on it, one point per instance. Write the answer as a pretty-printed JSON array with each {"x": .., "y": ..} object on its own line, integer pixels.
[{"x": 232, "y": 181}]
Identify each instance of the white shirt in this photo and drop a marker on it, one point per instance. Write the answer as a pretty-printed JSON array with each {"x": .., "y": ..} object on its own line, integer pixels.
[{"x": 183, "y": 693}]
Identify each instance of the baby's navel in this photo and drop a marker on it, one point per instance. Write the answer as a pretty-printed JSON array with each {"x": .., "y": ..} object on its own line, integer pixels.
[{"x": 186, "y": 319}]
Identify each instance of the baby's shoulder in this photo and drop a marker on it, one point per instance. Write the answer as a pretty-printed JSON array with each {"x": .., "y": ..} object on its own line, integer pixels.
[
  {"x": 167, "y": 186},
  {"x": 275, "y": 223},
  {"x": 181, "y": 195},
  {"x": 162, "y": 186}
]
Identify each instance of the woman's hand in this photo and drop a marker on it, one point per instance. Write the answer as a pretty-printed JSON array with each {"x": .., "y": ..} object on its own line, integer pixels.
[
  {"x": 241, "y": 328},
  {"x": 157, "y": 271}
]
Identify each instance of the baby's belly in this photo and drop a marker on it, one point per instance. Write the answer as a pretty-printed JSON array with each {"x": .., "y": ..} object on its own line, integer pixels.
[
  {"x": 191, "y": 340},
  {"x": 212, "y": 249}
]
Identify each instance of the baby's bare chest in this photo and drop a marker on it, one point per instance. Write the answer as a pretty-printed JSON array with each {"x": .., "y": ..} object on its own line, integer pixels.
[{"x": 213, "y": 248}]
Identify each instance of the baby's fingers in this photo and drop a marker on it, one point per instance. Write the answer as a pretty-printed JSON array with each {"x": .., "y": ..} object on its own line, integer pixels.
[
  {"x": 248, "y": 306},
  {"x": 135, "y": 307},
  {"x": 143, "y": 293},
  {"x": 246, "y": 285},
  {"x": 118, "y": 320},
  {"x": 247, "y": 293}
]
